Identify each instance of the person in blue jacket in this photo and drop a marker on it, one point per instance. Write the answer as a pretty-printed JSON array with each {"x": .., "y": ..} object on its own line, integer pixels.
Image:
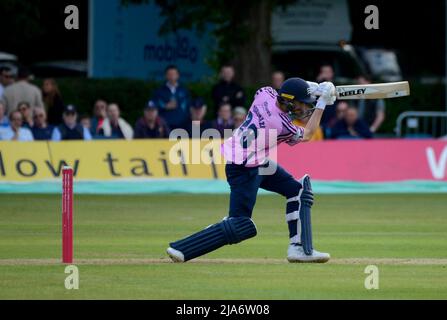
[
  {"x": 351, "y": 126},
  {"x": 172, "y": 100}
]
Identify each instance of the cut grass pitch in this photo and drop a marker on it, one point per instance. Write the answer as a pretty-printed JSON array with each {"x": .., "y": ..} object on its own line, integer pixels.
[{"x": 120, "y": 244}]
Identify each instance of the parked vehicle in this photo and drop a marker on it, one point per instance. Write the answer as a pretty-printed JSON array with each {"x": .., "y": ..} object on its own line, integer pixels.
[
  {"x": 382, "y": 64},
  {"x": 9, "y": 60},
  {"x": 59, "y": 69},
  {"x": 305, "y": 60}
]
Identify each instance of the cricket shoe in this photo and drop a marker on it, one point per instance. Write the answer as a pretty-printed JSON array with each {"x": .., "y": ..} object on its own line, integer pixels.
[
  {"x": 175, "y": 255},
  {"x": 296, "y": 254}
]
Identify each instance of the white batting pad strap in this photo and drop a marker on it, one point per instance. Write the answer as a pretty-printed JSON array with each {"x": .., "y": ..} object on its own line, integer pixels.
[
  {"x": 295, "y": 239},
  {"x": 295, "y": 215},
  {"x": 297, "y": 198}
]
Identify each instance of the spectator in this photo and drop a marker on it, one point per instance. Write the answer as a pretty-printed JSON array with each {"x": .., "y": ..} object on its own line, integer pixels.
[
  {"x": 27, "y": 114},
  {"x": 6, "y": 79},
  {"x": 15, "y": 132},
  {"x": 22, "y": 91},
  {"x": 224, "y": 119},
  {"x": 99, "y": 115},
  {"x": 69, "y": 129},
  {"x": 329, "y": 117},
  {"x": 4, "y": 122},
  {"x": 86, "y": 122},
  {"x": 41, "y": 129},
  {"x": 371, "y": 111},
  {"x": 239, "y": 115},
  {"x": 326, "y": 73},
  {"x": 226, "y": 90},
  {"x": 340, "y": 111},
  {"x": 114, "y": 126},
  {"x": 278, "y": 78},
  {"x": 198, "y": 111},
  {"x": 151, "y": 125},
  {"x": 172, "y": 100},
  {"x": 351, "y": 127},
  {"x": 53, "y": 101}
]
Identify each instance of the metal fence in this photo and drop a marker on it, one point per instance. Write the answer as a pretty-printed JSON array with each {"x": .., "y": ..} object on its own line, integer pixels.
[{"x": 421, "y": 124}]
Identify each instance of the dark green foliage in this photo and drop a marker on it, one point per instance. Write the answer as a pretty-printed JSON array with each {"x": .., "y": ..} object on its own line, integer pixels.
[
  {"x": 131, "y": 95},
  {"x": 423, "y": 98}
]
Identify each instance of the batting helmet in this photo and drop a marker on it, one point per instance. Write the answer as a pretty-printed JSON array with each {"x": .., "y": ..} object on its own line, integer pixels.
[{"x": 295, "y": 89}]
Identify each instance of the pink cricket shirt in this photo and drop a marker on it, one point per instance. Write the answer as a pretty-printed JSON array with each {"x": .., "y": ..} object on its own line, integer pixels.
[{"x": 265, "y": 127}]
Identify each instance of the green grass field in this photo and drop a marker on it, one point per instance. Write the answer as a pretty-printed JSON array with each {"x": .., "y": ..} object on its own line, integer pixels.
[{"x": 120, "y": 244}]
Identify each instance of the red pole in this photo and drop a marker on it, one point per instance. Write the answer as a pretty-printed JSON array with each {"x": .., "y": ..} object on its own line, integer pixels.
[{"x": 67, "y": 215}]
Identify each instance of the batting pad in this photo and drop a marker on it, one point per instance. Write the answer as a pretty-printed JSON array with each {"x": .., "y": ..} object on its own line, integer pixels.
[
  {"x": 307, "y": 200},
  {"x": 298, "y": 216},
  {"x": 231, "y": 230}
]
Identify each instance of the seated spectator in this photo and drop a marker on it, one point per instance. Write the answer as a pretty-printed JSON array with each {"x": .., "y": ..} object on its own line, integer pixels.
[
  {"x": 340, "y": 110},
  {"x": 227, "y": 90},
  {"x": 41, "y": 129},
  {"x": 239, "y": 115},
  {"x": 69, "y": 129},
  {"x": 15, "y": 132},
  {"x": 371, "y": 111},
  {"x": 114, "y": 126},
  {"x": 351, "y": 127},
  {"x": 53, "y": 101},
  {"x": 224, "y": 119},
  {"x": 151, "y": 125},
  {"x": 318, "y": 135},
  {"x": 172, "y": 100},
  {"x": 6, "y": 79},
  {"x": 326, "y": 73},
  {"x": 198, "y": 111},
  {"x": 278, "y": 78},
  {"x": 99, "y": 115},
  {"x": 4, "y": 122},
  {"x": 27, "y": 114},
  {"x": 22, "y": 91},
  {"x": 86, "y": 122}
]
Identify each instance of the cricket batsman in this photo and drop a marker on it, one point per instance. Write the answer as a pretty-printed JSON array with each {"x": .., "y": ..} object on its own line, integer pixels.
[{"x": 246, "y": 156}]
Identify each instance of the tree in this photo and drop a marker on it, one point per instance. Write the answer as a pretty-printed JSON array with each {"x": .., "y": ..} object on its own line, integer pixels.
[{"x": 241, "y": 30}]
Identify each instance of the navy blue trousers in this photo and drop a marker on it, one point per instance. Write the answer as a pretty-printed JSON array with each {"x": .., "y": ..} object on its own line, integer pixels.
[{"x": 245, "y": 182}]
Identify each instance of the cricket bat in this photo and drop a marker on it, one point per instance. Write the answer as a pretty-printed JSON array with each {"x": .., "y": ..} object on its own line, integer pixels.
[{"x": 373, "y": 91}]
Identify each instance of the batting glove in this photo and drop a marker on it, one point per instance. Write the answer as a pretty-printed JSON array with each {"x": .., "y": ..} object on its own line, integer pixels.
[
  {"x": 327, "y": 95},
  {"x": 313, "y": 89}
]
